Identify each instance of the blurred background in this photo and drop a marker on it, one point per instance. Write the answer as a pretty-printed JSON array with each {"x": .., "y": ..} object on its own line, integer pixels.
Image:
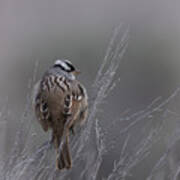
[{"x": 43, "y": 31}]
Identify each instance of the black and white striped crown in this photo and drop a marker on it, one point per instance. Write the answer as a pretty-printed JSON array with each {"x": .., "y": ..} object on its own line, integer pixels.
[{"x": 65, "y": 65}]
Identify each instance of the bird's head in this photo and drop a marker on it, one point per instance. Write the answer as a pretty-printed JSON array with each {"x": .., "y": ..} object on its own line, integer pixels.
[{"x": 67, "y": 66}]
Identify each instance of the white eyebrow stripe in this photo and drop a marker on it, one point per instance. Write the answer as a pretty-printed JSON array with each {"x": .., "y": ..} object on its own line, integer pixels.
[
  {"x": 68, "y": 61},
  {"x": 63, "y": 64}
]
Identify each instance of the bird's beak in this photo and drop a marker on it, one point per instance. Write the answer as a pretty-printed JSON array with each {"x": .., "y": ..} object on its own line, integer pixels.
[{"x": 76, "y": 72}]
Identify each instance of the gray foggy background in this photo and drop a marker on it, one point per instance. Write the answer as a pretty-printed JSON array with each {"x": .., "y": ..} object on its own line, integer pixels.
[{"x": 42, "y": 31}]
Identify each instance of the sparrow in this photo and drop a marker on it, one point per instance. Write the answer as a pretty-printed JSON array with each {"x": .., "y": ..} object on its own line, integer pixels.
[{"x": 60, "y": 103}]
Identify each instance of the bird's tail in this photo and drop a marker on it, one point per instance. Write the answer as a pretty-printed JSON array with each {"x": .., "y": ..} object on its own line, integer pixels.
[{"x": 63, "y": 159}]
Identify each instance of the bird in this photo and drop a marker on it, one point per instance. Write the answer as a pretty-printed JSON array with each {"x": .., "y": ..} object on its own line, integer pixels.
[{"x": 60, "y": 103}]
